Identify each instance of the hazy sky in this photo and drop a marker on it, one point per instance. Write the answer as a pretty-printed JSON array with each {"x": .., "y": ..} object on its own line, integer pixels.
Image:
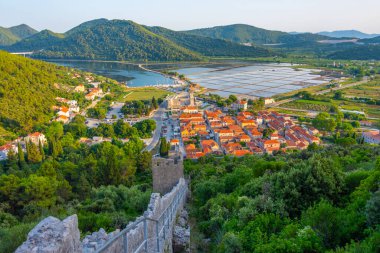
[{"x": 284, "y": 15}]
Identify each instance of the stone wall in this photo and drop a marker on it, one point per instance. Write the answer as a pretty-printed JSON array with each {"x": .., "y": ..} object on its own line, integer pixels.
[
  {"x": 54, "y": 236},
  {"x": 166, "y": 173}
]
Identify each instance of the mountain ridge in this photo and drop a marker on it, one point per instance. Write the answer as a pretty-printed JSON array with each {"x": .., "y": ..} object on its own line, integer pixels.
[
  {"x": 348, "y": 34},
  {"x": 103, "y": 39},
  {"x": 11, "y": 35}
]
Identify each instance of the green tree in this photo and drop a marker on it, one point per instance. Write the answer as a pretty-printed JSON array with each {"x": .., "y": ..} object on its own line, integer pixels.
[
  {"x": 34, "y": 155},
  {"x": 21, "y": 156},
  {"x": 41, "y": 149},
  {"x": 324, "y": 122}
]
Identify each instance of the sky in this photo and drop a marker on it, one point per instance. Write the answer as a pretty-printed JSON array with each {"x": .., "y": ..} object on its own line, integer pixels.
[{"x": 283, "y": 15}]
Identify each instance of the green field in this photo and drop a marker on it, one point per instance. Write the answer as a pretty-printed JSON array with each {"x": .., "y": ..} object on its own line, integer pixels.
[
  {"x": 145, "y": 94},
  {"x": 368, "y": 90}
]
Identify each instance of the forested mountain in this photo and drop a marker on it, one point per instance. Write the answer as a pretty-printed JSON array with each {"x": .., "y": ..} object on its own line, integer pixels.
[
  {"x": 360, "y": 52},
  {"x": 208, "y": 46},
  {"x": 240, "y": 33},
  {"x": 27, "y": 91},
  {"x": 123, "y": 40},
  {"x": 9, "y": 36},
  {"x": 371, "y": 41},
  {"x": 349, "y": 34},
  {"x": 104, "y": 39},
  {"x": 38, "y": 41}
]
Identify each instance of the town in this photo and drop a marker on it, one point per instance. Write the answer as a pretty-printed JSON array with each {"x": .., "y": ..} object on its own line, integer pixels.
[{"x": 237, "y": 132}]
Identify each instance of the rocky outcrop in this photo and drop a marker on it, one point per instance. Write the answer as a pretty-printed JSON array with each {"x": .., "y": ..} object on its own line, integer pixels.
[
  {"x": 181, "y": 233},
  {"x": 53, "y": 236}
]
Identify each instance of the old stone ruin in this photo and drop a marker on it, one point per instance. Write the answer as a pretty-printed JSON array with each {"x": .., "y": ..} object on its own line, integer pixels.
[{"x": 162, "y": 228}]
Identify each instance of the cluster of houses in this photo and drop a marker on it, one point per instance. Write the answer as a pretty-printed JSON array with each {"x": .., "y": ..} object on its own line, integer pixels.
[
  {"x": 36, "y": 138},
  {"x": 214, "y": 132},
  {"x": 66, "y": 113},
  {"x": 94, "y": 93}
]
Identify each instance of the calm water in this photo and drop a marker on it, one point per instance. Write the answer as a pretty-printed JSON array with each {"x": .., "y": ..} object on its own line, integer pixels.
[{"x": 132, "y": 75}]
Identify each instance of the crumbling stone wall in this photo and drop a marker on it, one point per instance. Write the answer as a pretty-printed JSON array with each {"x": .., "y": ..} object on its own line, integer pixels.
[{"x": 54, "y": 236}]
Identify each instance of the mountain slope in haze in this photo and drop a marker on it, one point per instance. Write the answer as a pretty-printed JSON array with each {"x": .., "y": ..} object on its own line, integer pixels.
[
  {"x": 9, "y": 36},
  {"x": 104, "y": 39},
  {"x": 349, "y": 34},
  {"x": 375, "y": 40},
  {"x": 211, "y": 47},
  {"x": 241, "y": 33}
]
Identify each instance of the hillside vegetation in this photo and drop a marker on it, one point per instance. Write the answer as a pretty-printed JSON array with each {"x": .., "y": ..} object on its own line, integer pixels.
[
  {"x": 209, "y": 46},
  {"x": 240, "y": 33},
  {"x": 28, "y": 91},
  {"x": 317, "y": 200},
  {"x": 104, "y": 39},
  {"x": 364, "y": 52},
  {"x": 9, "y": 36}
]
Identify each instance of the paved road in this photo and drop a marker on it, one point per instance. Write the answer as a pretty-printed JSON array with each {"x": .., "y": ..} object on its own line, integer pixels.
[
  {"x": 157, "y": 133},
  {"x": 319, "y": 93}
]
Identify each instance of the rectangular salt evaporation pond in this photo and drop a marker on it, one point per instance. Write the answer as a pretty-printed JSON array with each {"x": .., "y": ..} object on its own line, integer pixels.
[
  {"x": 267, "y": 84},
  {"x": 278, "y": 90},
  {"x": 239, "y": 90},
  {"x": 192, "y": 71},
  {"x": 262, "y": 94},
  {"x": 256, "y": 87},
  {"x": 290, "y": 87},
  {"x": 223, "y": 93},
  {"x": 213, "y": 86}
]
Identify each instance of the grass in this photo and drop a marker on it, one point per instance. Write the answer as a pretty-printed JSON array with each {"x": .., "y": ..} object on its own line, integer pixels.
[
  {"x": 144, "y": 94},
  {"x": 367, "y": 90}
]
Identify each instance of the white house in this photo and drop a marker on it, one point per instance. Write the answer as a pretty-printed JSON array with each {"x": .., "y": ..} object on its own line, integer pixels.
[{"x": 36, "y": 138}]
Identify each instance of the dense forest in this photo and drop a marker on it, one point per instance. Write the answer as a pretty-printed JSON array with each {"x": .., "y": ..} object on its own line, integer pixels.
[
  {"x": 210, "y": 46},
  {"x": 125, "y": 40},
  {"x": 106, "y": 184},
  {"x": 363, "y": 52},
  {"x": 28, "y": 89},
  {"x": 11, "y": 35},
  {"x": 241, "y": 33},
  {"x": 317, "y": 200}
]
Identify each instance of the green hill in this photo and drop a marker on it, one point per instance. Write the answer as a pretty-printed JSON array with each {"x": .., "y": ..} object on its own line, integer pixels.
[
  {"x": 210, "y": 47},
  {"x": 375, "y": 40},
  {"x": 103, "y": 39},
  {"x": 22, "y": 31},
  {"x": 106, "y": 40},
  {"x": 361, "y": 52},
  {"x": 38, "y": 41},
  {"x": 27, "y": 91},
  {"x": 240, "y": 33},
  {"x": 9, "y": 36}
]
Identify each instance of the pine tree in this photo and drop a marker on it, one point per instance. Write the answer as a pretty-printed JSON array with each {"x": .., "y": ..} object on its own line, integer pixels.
[
  {"x": 154, "y": 103},
  {"x": 34, "y": 155},
  {"x": 41, "y": 149},
  {"x": 11, "y": 160},
  {"x": 21, "y": 156}
]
